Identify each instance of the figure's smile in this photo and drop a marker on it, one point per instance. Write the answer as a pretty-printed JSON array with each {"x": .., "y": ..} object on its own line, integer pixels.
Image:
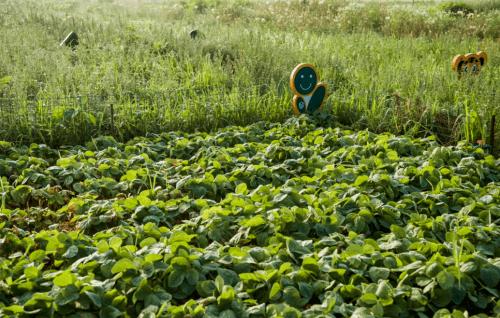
[{"x": 305, "y": 88}]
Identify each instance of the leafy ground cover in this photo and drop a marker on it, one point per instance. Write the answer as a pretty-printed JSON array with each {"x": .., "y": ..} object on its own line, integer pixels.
[{"x": 269, "y": 220}]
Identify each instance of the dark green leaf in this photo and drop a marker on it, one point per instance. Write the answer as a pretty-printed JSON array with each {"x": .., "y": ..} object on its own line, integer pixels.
[{"x": 175, "y": 278}]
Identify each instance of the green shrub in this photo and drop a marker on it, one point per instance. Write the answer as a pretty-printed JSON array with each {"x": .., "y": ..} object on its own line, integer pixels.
[{"x": 456, "y": 8}]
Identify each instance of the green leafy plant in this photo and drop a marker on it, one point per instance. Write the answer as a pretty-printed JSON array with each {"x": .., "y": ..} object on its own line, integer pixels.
[{"x": 267, "y": 220}]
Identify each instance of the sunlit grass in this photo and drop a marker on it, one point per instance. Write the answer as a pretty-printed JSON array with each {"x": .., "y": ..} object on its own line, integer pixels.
[{"x": 388, "y": 66}]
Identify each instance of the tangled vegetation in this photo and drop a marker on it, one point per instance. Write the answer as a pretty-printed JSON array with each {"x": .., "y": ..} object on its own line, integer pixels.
[
  {"x": 131, "y": 187},
  {"x": 270, "y": 220},
  {"x": 387, "y": 64}
]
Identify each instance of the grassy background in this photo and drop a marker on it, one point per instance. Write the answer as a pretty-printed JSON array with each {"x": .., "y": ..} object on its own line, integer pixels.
[{"x": 387, "y": 64}]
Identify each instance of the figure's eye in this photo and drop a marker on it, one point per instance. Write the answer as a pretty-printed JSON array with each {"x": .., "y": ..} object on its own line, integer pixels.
[
  {"x": 302, "y": 76},
  {"x": 311, "y": 76}
]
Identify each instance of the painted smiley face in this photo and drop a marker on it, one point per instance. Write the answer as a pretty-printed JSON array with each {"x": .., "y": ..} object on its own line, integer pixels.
[
  {"x": 305, "y": 81},
  {"x": 469, "y": 64}
]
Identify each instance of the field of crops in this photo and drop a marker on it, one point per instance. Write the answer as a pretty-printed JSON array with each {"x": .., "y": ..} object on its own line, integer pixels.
[
  {"x": 271, "y": 220},
  {"x": 156, "y": 169}
]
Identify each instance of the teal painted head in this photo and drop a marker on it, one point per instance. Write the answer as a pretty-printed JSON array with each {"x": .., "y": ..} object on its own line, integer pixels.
[{"x": 305, "y": 80}]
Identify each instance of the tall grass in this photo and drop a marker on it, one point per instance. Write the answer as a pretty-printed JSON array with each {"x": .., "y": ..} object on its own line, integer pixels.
[{"x": 388, "y": 66}]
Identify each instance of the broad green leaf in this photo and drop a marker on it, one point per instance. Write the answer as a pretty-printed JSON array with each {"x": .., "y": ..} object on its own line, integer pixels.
[
  {"x": 294, "y": 246},
  {"x": 487, "y": 199},
  {"x": 490, "y": 276},
  {"x": 353, "y": 250},
  {"x": 226, "y": 297},
  {"x": 20, "y": 194},
  {"x": 147, "y": 241},
  {"x": 67, "y": 295},
  {"x": 253, "y": 222},
  {"x": 38, "y": 297},
  {"x": 31, "y": 272},
  {"x": 228, "y": 313},
  {"x": 64, "y": 279},
  {"x": 305, "y": 290},
  {"x": 37, "y": 255},
  {"x": 310, "y": 264},
  {"x": 445, "y": 279},
  {"x": 96, "y": 299},
  {"x": 180, "y": 262},
  {"x": 377, "y": 273},
  {"x": 192, "y": 276},
  {"x": 153, "y": 257},
  {"x": 241, "y": 188},
  {"x": 115, "y": 243},
  {"x": 441, "y": 297},
  {"x": 123, "y": 265},
  {"x": 15, "y": 309},
  {"x": 360, "y": 180},
  {"x": 102, "y": 246},
  {"x": 384, "y": 289},
  {"x": 175, "y": 278},
  {"x": 180, "y": 236},
  {"x": 205, "y": 288},
  {"x": 71, "y": 252},
  {"x": 318, "y": 140},
  {"x": 110, "y": 312},
  {"x": 369, "y": 299},
  {"x": 219, "y": 283},
  {"x": 291, "y": 295},
  {"x": 275, "y": 289}
]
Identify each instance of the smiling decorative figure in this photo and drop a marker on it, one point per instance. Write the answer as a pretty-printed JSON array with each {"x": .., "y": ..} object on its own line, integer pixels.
[
  {"x": 308, "y": 93},
  {"x": 469, "y": 64}
]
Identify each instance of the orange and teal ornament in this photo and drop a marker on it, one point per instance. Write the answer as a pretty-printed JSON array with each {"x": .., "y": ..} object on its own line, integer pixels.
[
  {"x": 309, "y": 94},
  {"x": 469, "y": 64}
]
